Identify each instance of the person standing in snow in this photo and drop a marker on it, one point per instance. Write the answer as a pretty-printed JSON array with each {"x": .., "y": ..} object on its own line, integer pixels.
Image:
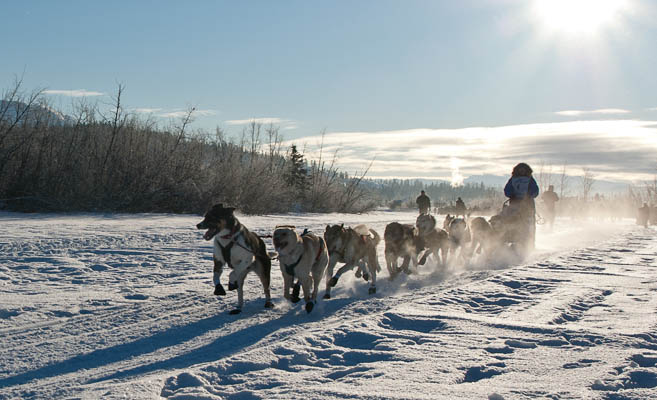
[
  {"x": 423, "y": 203},
  {"x": 521, "y": 189}
]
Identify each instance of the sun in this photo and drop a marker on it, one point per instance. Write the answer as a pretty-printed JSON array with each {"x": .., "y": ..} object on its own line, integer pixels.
[{"x": 578, "y": 16}]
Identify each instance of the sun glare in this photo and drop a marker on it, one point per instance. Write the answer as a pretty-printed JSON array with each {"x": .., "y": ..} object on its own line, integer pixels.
[{"x": 578, "y": 16}]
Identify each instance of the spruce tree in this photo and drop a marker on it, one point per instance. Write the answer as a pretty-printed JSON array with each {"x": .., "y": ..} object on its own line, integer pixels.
[{"x": 297, "y": 173}]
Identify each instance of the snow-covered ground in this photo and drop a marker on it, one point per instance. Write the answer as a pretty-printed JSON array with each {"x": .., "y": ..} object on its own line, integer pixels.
[{"x": 121, "y": 306}]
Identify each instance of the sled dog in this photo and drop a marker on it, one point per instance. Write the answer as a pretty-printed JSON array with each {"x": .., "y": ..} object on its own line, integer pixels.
[
  {"x": 483, "y": 237},
  {"x": 402, "y": 241},
  {"x": 435, "y": 240},
  {"x": 304, "y": 257},
  {"x": 243, "y": 251},
  {"x": 459, "y": 235},
  {"x": 351, "y": 246}
]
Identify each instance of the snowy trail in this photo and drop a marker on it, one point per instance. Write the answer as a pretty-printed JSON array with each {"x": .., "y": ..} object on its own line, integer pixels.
[{"x": 120, "y": 306}]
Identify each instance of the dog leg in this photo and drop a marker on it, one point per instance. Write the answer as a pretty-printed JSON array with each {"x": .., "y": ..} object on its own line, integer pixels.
[
  {"x": 372, "y": 264},
  {"x": 362, "y": 266},
  {"x": 334, "y": 279},
  {"x": 424, "y": 257},
  {"x": 390, "y": 264},
  {"x": 405, "y": 265},
  {"x": 287, "y": 285},
  {"x": 239, "y": 285},
  {"x": 372, "y": 267},
  {"x": 295, "y": 292},
  {"x": 216, "y": 277},
  {"x": 318, "y": 271},
  {"x": 264, "y": 280},
  {"x": 307, "y": 282},
  {"x": 329, "y": 275}
]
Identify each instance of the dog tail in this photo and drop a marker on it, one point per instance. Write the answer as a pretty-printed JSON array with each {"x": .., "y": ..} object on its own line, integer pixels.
[
  {"x": 377, "y": 238},
  {"x": 264, "y": 258}
]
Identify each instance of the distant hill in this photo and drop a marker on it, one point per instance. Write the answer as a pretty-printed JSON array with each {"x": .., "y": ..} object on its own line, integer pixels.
[{"x": 10, "y": 110}]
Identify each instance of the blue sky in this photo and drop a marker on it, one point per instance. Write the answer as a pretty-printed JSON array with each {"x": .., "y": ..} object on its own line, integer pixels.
[{"x": 353, "y": 66}]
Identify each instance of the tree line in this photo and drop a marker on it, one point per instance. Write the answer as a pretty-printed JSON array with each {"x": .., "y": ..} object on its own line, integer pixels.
[
  {"x": 110, "y": 159},
  {"x": 114, "y": 160}
]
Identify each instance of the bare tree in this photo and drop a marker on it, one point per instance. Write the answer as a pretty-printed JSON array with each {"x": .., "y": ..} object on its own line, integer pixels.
[
  {"x": 274, "y": 141},
  {"x": 563, "y": 181},
  {"x": 586, "y": 183},
  {"x": 544, "y": 176}
]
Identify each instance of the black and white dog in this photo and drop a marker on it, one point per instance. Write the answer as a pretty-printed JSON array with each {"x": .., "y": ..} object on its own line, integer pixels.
[{"x": 243, "y": 251}]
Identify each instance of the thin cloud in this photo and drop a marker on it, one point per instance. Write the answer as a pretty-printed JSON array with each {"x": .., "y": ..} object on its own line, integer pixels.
[
  {"x": 147, "y": 110},
  {"x": 616, "y": 150},
  {"x": 159, "y": 112},
  {"x": 577, "y": 113},
  {"x": 74, "y": 93},
  {"x": 264, "y": 121}
]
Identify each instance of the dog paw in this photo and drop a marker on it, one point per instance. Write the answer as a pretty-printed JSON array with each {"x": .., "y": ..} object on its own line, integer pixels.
[
  {"x": 295, "y": 299},
  {"x": 235, "y": 311},
  {"x": 309, "y": 306},
  {"x": 269, "y": 304},
  {"x": 326, "y": 296},
  {"x": 371, "y": 290},
  {"x": 333, "y": 281},
  {"x": 219, "y": 290},
  {"x": 232, "y": 286},
  {"x": 366, "y": 276},
  {"x": 295, "y": 291}
]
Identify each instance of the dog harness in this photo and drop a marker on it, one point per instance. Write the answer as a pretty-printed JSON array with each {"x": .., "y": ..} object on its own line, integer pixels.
[
  {"x": 289, "y": 269},
  {"x": 225, "y": 251}
]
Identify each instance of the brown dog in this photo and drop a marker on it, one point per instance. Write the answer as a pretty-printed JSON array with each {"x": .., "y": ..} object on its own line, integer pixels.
[
  {"x": 302, "y": 256},
  {"x": 435, "y": 240},
  {"x": 351, "y": 246},
  {"x": 243, "y": 251},
  {"x": 459, "y": 236},
  {"x": 402, "y": 241},
  {"x": 484, "y": 237}
]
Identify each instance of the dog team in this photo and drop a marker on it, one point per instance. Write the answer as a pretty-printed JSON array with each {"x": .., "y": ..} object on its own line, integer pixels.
[{"x": 306, "y": 258}]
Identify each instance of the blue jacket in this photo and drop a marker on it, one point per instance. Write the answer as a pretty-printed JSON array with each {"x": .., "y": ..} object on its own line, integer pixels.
[{"x": 520, "y": 187}]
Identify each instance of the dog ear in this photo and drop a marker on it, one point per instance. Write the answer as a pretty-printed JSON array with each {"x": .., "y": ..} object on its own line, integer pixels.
[{"x": 342, "y": 225}]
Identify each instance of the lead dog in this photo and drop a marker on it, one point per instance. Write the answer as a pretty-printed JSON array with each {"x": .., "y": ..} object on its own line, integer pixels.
[
  {"x": 402, "y": 241},
  {"x": 304, "y": 257},
  {"x": 351, "y": 246},
  {"x": 435, "y": 240},
  {"x": 243, "y": 251}
]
